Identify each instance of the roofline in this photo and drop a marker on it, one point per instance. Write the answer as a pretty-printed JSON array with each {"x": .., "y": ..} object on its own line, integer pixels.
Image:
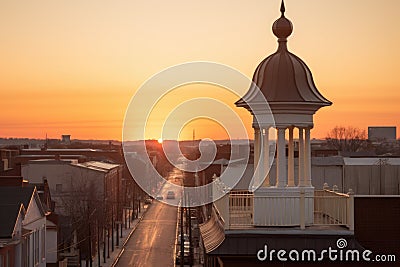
[
  {"x": 35, "y": 195},
  {"x": 94, "y": 168},
  {"x": 243, "y": 103},
  {"x": 88, "y": 168},
  {"x": 21, "y": 209}
]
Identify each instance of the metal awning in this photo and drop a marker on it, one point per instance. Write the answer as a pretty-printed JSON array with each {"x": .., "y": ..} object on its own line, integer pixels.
[{"x": 212, "y": 233}]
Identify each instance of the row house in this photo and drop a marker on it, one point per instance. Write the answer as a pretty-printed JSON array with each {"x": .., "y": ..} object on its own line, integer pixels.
[
  {"x": 85, "y": 194},
  {"x": 22, "y": 227}
]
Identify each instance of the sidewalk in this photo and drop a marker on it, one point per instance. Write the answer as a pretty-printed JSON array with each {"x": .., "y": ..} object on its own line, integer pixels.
[{"x": 118, "y": 250}]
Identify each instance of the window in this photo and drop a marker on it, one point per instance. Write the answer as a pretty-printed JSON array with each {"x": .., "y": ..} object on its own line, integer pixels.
[
  {"x": 34, "y": 247},
  {"x": 59, "y": 188},
  {"x": 28, "y": 250},
  {"x": 43, "y": 243},
  {"x": 37, "y": 247},
  {"x": 24, "y": 249}
]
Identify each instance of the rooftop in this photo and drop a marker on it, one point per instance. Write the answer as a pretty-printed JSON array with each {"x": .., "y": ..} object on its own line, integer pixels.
[
  {"x": 8, "y": 217},
  {"x": 97, "y": 165},
  {"x": 63, "y": 150},
  {"x": 283, "y": 77}
]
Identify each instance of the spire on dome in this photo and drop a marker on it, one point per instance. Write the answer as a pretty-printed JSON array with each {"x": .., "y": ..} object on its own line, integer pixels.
[
  {"x": 283, "y": 77},
  {"x": 282, "y": 28},
  {"x": 283, "y": 8}
]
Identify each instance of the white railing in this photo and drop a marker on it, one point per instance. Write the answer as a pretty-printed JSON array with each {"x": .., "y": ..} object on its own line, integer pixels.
[
  {"x": 222, "y": 209},
  {"x": 333, "y": 208},
  {"x": 325, "y": 207},
  {"x": 240, "y": 210}
]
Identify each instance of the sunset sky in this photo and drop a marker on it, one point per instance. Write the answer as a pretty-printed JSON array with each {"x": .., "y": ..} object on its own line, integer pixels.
[{"x": 71, "y": 67}]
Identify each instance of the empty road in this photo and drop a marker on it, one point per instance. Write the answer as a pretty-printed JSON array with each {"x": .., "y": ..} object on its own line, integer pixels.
[{"x": 152, "y": 243}]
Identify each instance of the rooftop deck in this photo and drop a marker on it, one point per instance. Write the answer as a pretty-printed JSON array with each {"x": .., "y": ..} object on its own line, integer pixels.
[{"x": 327, "y": 210}]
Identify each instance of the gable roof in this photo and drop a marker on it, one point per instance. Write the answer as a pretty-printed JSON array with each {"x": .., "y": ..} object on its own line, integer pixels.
[
  {"x": 11, "y": 198},
  {"x": 8, "y": 218},
  {"x": 16, "y": 195}
]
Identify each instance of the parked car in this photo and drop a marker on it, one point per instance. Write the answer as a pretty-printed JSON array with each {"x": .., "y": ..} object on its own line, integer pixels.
[
  {"x": 194, "y": 221},
  {"x": 186, "y": 257},
  {"x": 170, "y": 195},
  {"x": 147, "y": 201},
  {"x": 185, "y": 238},
  {"x": 186, "y": 245},
  {"x": 159, "y": 197}
]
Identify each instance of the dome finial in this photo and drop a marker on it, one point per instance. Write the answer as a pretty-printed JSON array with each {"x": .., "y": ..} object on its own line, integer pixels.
[
  {"x": 282, "y": 27},
  {"x": 283, "y": 8}
]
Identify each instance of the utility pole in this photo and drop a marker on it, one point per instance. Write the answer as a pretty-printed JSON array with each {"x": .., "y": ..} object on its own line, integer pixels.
[
  {"x": 98, "y": 243},
  {"x": 182, "y": 237},
  {"x": 194, "y": 136},
  {"x": 104, "y": 244},
  {"x": 112, "y": 227},
  {"x": 90, "y": 246},
  {"x": 117, "y": 232},
  {"x": 90, "y": 234},
  {"x": 133, "y": 203},
  {"x": 103, "y": 228},
  {"x": 190, "y": 236},
  {"x": 118, "y": 198},
  {"x": 108, "y": 241}
]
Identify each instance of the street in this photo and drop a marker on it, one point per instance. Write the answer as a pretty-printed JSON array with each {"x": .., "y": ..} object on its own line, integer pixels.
[{"x": 152, "y": 243}]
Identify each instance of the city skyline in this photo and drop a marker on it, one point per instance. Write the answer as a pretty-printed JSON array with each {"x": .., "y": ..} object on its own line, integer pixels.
[{"x": 73, "y": 67}]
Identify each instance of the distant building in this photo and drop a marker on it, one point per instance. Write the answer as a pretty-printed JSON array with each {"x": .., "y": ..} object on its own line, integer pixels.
[
  {"x": 89, "y": 153},
  {"x": 66, "y": 177},
  {"x": 90, "y": 190},
  {"x": 364, "y": 175},
  {"x": 66, "y": 139},
  {"x": 382, "y": 133},
  {"x": 7, "y": 161}
]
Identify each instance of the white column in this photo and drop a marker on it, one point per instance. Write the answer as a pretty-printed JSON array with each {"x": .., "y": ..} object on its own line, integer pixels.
[
  {"x": 256, "y": 147},
  {"x": 266, "y": 157},
  {"x": 261, "y": 156},
  {"x": 257, "y": 143},
  {"x": 290, "y": 158},
  {"x": 301, "y": 157},
  {"x": 281, "y": 159},
  {"x": 307, "y": 156}
]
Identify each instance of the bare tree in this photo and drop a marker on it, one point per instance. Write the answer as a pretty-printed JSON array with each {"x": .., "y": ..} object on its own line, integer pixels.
[
  {"x": 83, "y": 205},
  {"x": 349, "y": 139}
]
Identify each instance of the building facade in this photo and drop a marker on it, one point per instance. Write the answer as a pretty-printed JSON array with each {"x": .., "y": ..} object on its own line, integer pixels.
[
  {"x": 23, "y": 227},
  {"x": 87, "y": 194}
]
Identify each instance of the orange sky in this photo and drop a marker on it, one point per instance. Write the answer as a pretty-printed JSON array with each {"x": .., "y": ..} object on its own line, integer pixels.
[{"x": 71, "y": 67}]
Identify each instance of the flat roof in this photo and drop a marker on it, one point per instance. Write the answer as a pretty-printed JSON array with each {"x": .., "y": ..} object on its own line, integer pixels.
[
  {"x": 93, "y": 165},
  {"x": 65, "y": 149},
  {"x": 371, "y": 161},
  {"x": 97, "y": 166},
  {"x": 52, "y": 161},
  {"x": 49, "y": 156}
]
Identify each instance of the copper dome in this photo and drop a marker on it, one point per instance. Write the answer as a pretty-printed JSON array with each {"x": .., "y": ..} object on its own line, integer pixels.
[{"x": 283, "y": 77}]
